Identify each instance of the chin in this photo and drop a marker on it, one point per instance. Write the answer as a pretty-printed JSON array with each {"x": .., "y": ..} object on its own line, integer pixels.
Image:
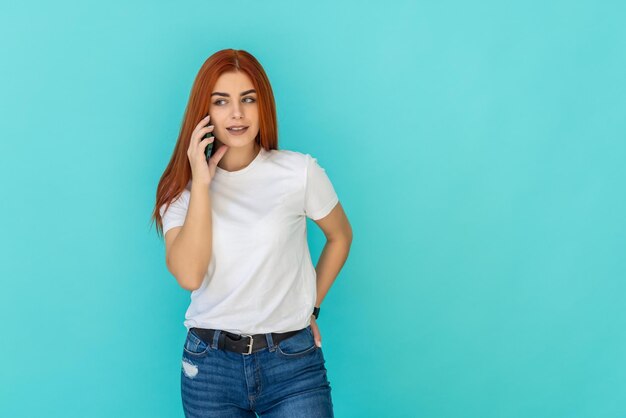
[{"x": 239, "y": 141}]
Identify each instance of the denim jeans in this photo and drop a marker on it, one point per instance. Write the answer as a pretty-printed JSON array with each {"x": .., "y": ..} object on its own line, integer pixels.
[{"x": 287, "y": 379}]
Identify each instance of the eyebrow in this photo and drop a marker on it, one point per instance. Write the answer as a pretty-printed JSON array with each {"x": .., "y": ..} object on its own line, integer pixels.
[{"x": 217, "y": 93}]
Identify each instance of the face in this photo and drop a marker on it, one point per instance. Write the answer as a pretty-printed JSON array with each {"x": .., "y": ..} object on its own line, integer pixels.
[{"x": 229, "y": 107}]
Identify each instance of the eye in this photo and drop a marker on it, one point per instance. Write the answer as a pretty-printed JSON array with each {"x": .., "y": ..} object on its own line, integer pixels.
[{"x": 252, "y": 100}]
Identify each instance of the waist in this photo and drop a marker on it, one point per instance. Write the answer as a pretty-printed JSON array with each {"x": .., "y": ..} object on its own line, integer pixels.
[{"x": 239, "y": 343}]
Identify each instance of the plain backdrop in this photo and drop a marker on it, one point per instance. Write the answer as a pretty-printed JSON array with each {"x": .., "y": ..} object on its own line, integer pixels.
[{"x": 478, "y": 149}]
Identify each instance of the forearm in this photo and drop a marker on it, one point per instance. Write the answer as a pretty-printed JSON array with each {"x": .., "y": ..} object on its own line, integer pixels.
[
  {"x": 191, "y": 250},
  {"x": 332, "y": 259}
]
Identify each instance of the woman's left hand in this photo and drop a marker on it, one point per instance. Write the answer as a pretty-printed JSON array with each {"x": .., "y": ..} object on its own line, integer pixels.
[{"x": 316, "y": 332}]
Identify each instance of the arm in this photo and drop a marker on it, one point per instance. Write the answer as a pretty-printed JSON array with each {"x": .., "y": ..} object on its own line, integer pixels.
[
  {"x": 188, "y": 248},
  {"x": 338, "y": 234}
]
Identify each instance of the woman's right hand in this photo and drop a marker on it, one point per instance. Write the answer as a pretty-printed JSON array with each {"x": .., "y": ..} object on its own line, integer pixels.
[{"x": 202, "y": 170}]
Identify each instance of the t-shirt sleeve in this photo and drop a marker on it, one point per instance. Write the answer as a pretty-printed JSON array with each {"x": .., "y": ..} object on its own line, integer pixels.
[
  {"x": 319, "y": 194},
  {"x": 176, "y": 213}
]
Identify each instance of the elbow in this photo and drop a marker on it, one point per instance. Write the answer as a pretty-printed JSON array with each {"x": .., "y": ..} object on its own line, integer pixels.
[
  {"x": 346, "y": 236},
  {"x": 187, "y": 280},
  {"x": 190, "y": 282},
  {"x": 190, "y": 286},
  {"x": 344, "y": 239},
  {"x": 196, "y": 279}
]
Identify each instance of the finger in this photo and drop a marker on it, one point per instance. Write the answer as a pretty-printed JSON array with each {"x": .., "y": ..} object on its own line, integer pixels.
[
  {"x": 217, "y": 156},
  {"x": 318, "y": 339},
  {"x": 316, "y": 334},
  {"x": 205, "y": 142},
  {"x": 199, "y": 135},
  {"x": 200, "y": 125},
  {"x": 200, "y": 147},
  {"x": 203, "y": 122}
]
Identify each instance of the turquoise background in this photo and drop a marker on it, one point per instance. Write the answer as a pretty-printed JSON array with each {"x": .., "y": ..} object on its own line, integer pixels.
[{"x": 478, "y": 149}]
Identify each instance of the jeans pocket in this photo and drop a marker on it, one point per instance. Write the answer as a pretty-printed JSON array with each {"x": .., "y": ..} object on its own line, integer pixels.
[
  {"x": 297, "y": 345},
  {"x": 194, "y": 345}
]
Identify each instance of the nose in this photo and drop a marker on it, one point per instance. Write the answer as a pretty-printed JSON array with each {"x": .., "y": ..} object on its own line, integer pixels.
[{"x": 237, "y": 111}]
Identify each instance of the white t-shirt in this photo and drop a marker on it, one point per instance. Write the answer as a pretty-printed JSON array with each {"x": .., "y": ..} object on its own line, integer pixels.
[{"x": 261, "y": 277}]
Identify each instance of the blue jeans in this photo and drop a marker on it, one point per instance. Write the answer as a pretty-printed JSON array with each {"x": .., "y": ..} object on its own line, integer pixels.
[{"x": 287, "y": 379}]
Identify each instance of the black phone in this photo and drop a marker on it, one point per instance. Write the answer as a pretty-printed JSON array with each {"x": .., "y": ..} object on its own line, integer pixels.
[{"x": 208, "y": 151}]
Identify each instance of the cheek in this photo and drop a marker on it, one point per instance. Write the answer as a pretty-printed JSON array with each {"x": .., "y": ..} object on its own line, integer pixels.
[
  {"x": 216, "y": 118},
  {"x": 255, "y": 116}
]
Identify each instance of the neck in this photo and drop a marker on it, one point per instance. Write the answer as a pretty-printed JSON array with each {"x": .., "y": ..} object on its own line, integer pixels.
[{"x": 238, "y": 158}]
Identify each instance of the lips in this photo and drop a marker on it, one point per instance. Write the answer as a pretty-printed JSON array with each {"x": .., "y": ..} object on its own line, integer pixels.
[{"x": 237, "y": 132}]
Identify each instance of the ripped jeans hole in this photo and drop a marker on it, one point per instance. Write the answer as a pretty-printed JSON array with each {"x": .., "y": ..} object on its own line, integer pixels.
[{"x": 190, "y": 370}]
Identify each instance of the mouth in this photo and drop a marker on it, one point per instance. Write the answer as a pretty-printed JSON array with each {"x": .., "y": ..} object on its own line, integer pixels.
[{"x": 237, "y": 130}]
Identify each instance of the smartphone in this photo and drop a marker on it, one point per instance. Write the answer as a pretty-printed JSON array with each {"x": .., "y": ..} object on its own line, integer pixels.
[{"x": 208, "y": 151}]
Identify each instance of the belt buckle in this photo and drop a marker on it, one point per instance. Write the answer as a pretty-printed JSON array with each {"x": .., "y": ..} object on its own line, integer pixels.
[{"x": 250, "y": 344}]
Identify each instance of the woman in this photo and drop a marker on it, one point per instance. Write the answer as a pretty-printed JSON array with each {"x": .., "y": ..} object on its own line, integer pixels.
[{"x": 235, "y": 235}]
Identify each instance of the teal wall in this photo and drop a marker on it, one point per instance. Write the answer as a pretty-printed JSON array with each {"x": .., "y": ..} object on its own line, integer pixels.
[{"x": 478, "y": 149}]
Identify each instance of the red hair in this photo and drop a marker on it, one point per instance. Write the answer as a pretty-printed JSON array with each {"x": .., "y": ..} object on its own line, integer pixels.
[{"x": 178, "y": 172}]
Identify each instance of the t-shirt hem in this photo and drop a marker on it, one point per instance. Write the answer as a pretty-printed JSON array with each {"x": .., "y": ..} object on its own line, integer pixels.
[
  {"x": 170, "y": 226},
  {"x": 325, "y": 210}
]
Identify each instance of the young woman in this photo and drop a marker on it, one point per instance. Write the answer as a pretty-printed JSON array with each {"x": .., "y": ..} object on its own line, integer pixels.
[{"x": 235, "y": 236}]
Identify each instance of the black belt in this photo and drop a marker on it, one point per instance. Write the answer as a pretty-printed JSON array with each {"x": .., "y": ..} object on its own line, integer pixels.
[{"x": 243, "y": 344}]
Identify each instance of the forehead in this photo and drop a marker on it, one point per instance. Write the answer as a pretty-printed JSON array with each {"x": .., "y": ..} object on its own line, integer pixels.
[{"x": 233, "y": 82}]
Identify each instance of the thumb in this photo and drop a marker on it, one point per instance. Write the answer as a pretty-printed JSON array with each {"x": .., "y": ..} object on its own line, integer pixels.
[
  {"x": 218, "y": 154},
  {"x": 318, "y": 338}
]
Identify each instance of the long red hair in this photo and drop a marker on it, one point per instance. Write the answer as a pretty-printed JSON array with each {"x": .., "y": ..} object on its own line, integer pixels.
[{"x": 178, "y": 172}]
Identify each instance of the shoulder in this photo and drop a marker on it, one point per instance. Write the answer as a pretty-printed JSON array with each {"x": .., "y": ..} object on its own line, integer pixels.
[
  {"x": 287, "y": 155},
  {"x": 185, "y": 194},
  {"x": 180, "y": 201},
  {"x": 293, "y": 160}
]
